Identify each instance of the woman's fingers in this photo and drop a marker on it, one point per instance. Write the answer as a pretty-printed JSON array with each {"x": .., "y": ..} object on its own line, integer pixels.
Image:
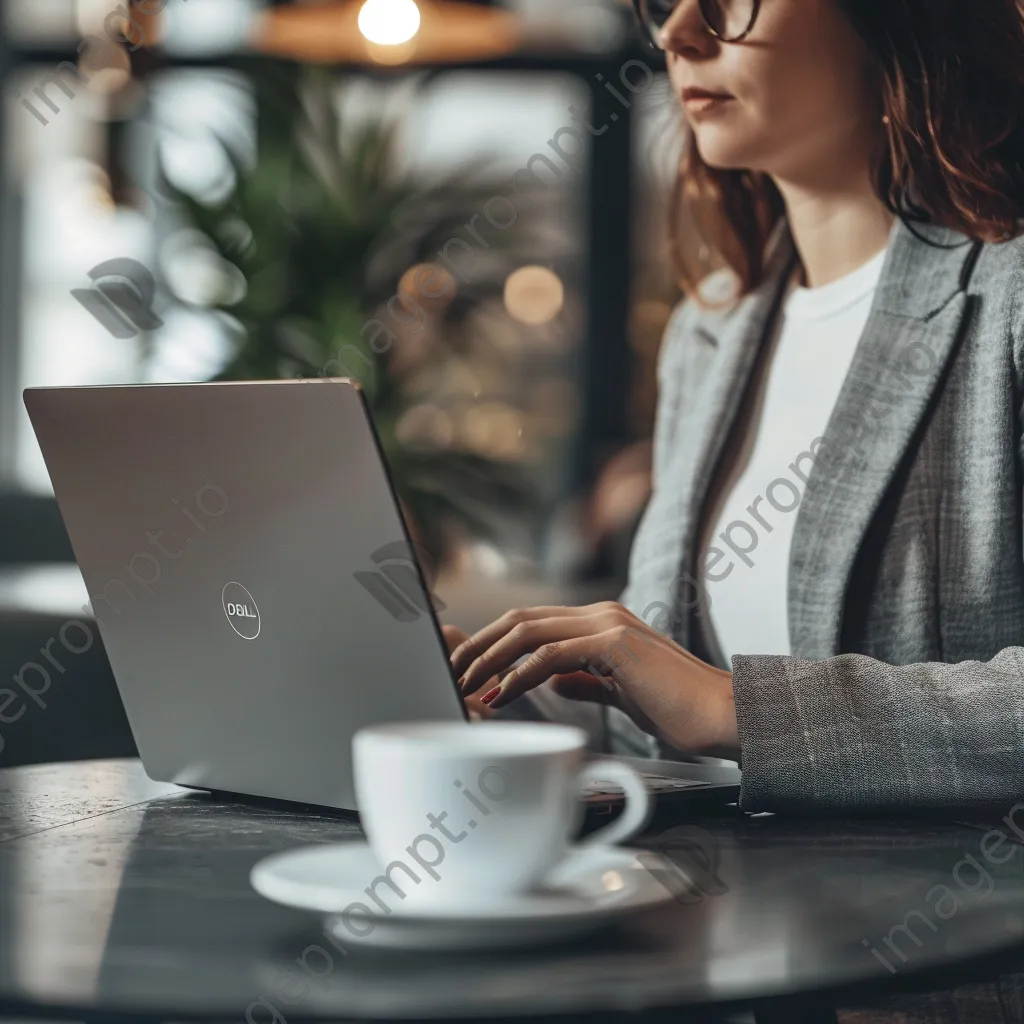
[
  {"x": 453, "y": 636},
  {"x": 555, "y": 658},
  {"x": 471, "y": 649},
  {"x": 477, "y": 709},
  {"x": 525, "y": 638},
  {"x": 666, "y": 690}
]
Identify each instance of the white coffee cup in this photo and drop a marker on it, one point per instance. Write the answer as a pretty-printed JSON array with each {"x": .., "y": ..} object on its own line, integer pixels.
[{"x": 475, "y": 812}]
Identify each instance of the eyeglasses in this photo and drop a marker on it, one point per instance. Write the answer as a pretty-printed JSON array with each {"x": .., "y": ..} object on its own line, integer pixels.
[{"x": 729, "y": 20}]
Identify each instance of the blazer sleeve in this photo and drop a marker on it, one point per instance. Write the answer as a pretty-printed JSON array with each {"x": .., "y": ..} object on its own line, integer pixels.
[{"x": 853, "y": 733}]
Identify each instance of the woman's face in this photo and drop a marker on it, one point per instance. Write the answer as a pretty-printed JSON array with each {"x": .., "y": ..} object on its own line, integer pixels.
[{"x": 800, "y": 87}]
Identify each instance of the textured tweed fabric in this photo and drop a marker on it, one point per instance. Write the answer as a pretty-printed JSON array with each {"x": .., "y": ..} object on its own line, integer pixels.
[{"x": 906, "y": 585}]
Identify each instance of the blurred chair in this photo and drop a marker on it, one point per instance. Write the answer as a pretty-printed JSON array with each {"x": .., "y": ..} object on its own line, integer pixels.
[
  {"x": 79, "y": 715},
  {"x": 31, "y": 530}
]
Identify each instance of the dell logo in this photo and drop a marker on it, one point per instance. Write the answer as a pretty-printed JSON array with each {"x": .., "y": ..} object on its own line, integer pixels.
[{"x": 242, "y": 614}]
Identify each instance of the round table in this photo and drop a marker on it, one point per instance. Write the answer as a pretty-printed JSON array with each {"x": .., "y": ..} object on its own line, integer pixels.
[{"x": 119, "y": 895}]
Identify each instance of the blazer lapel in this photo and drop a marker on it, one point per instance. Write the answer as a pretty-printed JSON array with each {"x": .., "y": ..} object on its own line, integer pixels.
[
  {"x": 738, "y": 343},
  {"x": 916, "y": 320}
]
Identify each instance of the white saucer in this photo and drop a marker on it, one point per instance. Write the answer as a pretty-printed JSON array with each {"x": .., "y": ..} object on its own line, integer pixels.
[{"x": 589, "y": 888}]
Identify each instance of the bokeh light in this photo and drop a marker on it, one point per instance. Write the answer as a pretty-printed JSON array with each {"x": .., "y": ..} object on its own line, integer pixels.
[
  {"x": 534, "y": 295},
  {"x": 493, "y": 429},
  {"x": 425, "y": 426},
  {"x": 428, "y": 285},
  {"x": 389, "y": 22}
]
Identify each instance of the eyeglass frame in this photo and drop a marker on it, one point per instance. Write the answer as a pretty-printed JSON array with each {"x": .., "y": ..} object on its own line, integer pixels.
[{"x": 711, "y": 28}]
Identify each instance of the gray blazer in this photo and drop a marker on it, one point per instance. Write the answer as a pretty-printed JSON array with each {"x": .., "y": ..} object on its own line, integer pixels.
[{"x": 906, "y": 586}]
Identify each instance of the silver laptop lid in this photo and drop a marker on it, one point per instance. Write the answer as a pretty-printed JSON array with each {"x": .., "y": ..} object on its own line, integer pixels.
[{"x": 251, "y": 575}]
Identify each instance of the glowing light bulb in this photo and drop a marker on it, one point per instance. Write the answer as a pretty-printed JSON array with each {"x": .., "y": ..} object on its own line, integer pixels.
[{"x": 389, "y": 22}]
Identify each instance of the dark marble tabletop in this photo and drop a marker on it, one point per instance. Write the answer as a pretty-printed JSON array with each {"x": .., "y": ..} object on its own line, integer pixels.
[{"x": 121, "y": 894}]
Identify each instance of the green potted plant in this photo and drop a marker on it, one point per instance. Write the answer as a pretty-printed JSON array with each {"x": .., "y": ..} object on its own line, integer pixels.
[{"x": 322, "y": 226}]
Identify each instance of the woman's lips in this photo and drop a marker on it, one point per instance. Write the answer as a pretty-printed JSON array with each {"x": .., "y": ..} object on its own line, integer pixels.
[
  {"x": 699, "y": 101},
  {"x": 702, "y": 104}
]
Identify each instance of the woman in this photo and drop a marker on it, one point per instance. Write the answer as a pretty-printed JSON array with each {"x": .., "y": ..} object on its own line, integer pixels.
[{"x": 828, "y": 581}]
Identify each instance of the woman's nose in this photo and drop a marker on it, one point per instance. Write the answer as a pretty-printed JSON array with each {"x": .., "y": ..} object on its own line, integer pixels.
[{"x": 686, "y": 32}]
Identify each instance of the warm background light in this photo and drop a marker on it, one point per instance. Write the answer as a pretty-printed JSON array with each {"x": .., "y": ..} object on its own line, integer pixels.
[
  {"x": 534, "y": 295},
  {"x": 389, "y": 22},
  {"x": 446, "y": 31},
  {"x": 427, "y": 286}
]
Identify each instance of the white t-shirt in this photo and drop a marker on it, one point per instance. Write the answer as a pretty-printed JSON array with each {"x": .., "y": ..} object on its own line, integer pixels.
[{"x": 755, "y": 502}]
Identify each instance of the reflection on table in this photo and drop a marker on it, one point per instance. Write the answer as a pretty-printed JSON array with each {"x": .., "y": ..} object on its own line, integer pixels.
[{"x": 119, "y": 894}]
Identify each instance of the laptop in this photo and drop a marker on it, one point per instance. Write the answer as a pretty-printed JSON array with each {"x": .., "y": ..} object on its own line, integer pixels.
[{"x": 254, "y": 582}]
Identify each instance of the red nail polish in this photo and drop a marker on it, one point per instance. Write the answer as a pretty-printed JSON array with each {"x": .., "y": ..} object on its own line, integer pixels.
[{"x": 490, "y": 695}]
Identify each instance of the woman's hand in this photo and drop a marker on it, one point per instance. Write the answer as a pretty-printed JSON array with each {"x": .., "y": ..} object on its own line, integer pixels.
[
  {"x": 453, "y": 637},
  {"x": 603, "y": 652}
]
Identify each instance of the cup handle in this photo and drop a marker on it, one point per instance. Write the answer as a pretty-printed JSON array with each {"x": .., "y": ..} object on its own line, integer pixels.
[{"x": 638, "y": 801}]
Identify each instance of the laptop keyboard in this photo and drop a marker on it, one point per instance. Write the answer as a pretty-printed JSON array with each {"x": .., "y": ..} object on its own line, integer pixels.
[{"x": 654, "y": 784}]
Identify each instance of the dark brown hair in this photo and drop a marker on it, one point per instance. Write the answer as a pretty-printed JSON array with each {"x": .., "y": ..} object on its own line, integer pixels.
[{"x": 951, "y": 84}]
